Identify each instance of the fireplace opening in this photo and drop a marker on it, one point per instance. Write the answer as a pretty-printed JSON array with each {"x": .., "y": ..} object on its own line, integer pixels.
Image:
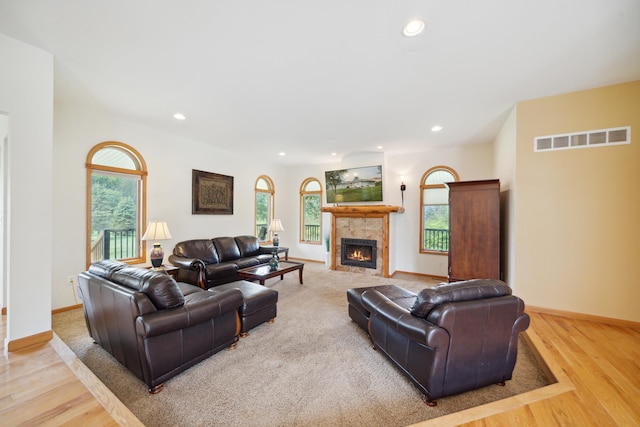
[{"x": 358, "y": 252}]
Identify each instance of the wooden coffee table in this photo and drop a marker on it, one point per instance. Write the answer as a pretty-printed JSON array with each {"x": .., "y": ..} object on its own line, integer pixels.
[{"x": 263, "y": 272}]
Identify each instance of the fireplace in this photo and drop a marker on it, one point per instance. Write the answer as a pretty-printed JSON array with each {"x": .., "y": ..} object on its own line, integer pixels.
[
  {"x": 358, "y": 252},
  {"x": 364, "y": 222}
]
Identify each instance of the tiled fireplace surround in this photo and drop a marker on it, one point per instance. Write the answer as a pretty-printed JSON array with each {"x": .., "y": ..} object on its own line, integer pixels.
[{"x": 361, "y": 222}]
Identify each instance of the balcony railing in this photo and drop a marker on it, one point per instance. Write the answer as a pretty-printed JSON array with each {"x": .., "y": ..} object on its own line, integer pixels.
[
  {"x": 311, "y": 233},
  {"x": 115, "y": 243},
  {"x": 261, "y": 232},
  {"x": 436, "y": 240}
]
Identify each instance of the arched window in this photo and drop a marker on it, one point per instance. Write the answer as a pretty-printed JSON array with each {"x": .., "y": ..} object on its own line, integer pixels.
[
  {"x": 264, "y": 207},
  {"x": 310, "y": 216},
  {"x": 116, "y": 203},
  {"x": 434, "y": 203}
]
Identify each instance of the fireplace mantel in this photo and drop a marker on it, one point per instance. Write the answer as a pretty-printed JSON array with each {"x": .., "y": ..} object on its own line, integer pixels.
[
  {"x": 368, "y": 209},
  {"x": 377, "y": 213}
]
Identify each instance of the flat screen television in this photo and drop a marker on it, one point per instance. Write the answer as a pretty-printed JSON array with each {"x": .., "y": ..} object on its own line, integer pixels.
[{"x": 362, "y": 184}]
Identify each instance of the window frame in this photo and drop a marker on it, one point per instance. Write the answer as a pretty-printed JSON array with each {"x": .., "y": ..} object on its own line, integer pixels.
[
  {"x": 423, "y": 187},
  {"x": 304, "y": 192},
  {"x": 140, "y": 174},
  {"x": 271, "y": 208}
]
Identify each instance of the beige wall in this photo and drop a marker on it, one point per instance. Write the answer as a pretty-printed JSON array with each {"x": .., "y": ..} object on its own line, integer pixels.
[{"x": 577, "y": 212}]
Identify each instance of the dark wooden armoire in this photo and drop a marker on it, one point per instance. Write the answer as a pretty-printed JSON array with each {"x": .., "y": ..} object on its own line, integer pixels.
[{"x": 474, "y": 227}]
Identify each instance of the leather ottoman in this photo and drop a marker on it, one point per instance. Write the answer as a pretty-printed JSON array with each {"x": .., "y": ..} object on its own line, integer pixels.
[
  {"x": 258, "y": 306},
  {"x": 360, "y": 315}
]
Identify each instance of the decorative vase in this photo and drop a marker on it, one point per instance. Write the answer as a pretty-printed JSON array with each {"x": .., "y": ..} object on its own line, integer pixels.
[
  {"x": 327, "y": 259},
  {"x": 273, "y": 263},
  {"x": 156, "y": 255}
]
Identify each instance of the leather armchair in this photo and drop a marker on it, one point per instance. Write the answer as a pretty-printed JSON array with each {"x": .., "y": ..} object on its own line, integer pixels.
[
  {"x": 152, "y": 325},
  {"x": 456, "y": 336}
]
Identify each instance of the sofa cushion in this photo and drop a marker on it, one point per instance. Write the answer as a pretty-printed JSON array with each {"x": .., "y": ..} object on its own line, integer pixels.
[
  {"x": 227, "y": 248},
  {"x": 202, "y": 249},
  {"x": 224, "y": 269},
  {"x": 248, "y": 262},
  {"x": 159, "y": 287},
  {"x": 248, "y": 245},
  {"x": 468, "y": 290}
]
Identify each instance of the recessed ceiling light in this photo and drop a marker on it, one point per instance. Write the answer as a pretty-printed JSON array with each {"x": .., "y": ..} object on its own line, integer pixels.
[
  {"x": 379, "y": 147},
  {"x": 282, "y": 153},
  {"x": 179, "y": 116},
  {"x": 333, "y": 154},
  {"x": 436, "y": 128},
  {"x": 413, "y": 27}
]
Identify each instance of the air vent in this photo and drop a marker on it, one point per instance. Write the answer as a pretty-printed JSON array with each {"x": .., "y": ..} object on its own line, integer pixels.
[{"x": 591, "y": 138}]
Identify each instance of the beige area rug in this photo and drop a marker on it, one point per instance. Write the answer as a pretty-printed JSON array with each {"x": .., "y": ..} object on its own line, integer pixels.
[{"x": 312, "y": 367}]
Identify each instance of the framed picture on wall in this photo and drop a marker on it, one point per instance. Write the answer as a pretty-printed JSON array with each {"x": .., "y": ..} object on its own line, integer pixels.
[
  {"x": 363, "y": 184},
  {"x": 212, "y": 193}
]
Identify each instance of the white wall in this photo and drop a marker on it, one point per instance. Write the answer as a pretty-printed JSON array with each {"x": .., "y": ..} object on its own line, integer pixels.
[
  {"x": 4, "y": 140},
  {"x": 505, "y": 167},
  {"x": 169, "y": 160},
  {"x": 472, "y": 162},
  {"x": 26, "y": 95}
]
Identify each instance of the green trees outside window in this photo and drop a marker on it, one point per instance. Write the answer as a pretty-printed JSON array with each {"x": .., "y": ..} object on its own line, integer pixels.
[
  {"x": 311, "y": 217},
  {"x": 264, "y": 191},
  {"x": 434, "y": 202}
]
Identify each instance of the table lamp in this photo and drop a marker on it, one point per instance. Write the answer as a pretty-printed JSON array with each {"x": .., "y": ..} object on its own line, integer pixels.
[
  {"x": 157, "y": 230},
  {"x": 275, "y": 226}
]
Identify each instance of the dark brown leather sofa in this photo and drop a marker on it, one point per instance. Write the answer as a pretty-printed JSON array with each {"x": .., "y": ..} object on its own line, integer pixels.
[
  {"x": 153, "y": 325},
  {"x": 447, "y": 339},
  {"x": 212, "y": 262}
]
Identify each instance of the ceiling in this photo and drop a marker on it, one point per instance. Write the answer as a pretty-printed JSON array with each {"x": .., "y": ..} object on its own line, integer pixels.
[{"x": 311, "y": 78}]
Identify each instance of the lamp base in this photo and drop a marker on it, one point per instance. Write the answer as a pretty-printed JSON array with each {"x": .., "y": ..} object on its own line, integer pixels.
[
  {"x": 156, "y": 256},
  {"x": 276, "y": 240}
]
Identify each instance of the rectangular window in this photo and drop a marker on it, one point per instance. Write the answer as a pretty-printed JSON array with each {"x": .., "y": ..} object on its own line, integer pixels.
[
  {"x": 114, "y": 217},
  {"x": 435, "y": 219},
  {"x": 436, "y": 228},
  {"x": 263, "y": 213},
  {"x": 311, "y": 218}
]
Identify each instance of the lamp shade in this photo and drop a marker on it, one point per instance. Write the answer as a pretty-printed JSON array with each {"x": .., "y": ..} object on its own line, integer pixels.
[
  {"x": 276, "y": 225},
  {"x": 157, "y": 230}
]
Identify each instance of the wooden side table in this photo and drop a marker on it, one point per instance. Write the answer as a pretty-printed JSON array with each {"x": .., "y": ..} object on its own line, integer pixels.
[{"x": 278, "y": 249}]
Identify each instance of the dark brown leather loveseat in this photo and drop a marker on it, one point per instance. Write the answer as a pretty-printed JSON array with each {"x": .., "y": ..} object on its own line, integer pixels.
[
  {"x": 447, "y": 339},
  {"x": 212, "y": 262},
  {"x": 153, "y": 325}
]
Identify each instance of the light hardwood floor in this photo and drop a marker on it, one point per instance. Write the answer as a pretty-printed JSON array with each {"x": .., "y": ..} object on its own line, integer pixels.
[
  {"x": 597, "y": 368},
  {"x": 47, "y": 385}
]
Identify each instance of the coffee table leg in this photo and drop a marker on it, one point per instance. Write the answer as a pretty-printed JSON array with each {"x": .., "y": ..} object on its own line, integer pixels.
[{"x": 300, "y": 274}]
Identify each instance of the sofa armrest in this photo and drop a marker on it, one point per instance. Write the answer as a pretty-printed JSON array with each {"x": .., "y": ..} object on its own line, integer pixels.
[
  {"x": 267, "y": 250},
  {"x": 398, "y": 318},
  {"x": 197, "y": 310},
  {"x": 190, "y": 264}
]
